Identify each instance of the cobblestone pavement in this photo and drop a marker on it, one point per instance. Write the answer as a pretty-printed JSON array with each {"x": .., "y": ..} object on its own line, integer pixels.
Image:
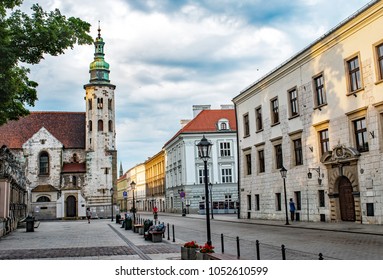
[
  {"x": 101, "y": 239},
  {"x": 105, "y": 240}
]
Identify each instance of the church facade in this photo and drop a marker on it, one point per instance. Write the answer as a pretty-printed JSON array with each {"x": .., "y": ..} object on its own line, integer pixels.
[{"x": 70, "y": 158}]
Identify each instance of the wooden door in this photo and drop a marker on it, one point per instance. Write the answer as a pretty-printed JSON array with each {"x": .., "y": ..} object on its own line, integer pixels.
[
  {"x": 71, "y": 206},
  {"x": 346, "y": 200}
]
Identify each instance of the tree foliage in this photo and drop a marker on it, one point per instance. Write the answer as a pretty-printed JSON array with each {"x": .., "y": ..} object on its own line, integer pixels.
[{"x": 26, "y": 39}]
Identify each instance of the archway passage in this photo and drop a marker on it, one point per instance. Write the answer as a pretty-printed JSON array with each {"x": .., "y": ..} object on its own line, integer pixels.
[
  {"x": 71, "y": 206},
  {"x": 346, "y": 200}
]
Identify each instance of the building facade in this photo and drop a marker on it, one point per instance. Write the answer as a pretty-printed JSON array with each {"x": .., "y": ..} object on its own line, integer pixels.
[
  {"x": 155, "y": 181},
  {"x": 319, "y": 115},
  {"x": 184, "y": 181},
  {"x": 70, "y": 157}
]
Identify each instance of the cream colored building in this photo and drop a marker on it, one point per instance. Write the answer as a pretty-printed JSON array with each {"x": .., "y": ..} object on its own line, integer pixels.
[
  {"x": 155, "y": 181},
  {"x": 136, "y": 174},
  {"x": 319, "y": 112}
]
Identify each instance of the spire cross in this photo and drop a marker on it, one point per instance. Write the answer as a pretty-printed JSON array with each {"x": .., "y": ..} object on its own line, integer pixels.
[{"x": 99, "y": 30}]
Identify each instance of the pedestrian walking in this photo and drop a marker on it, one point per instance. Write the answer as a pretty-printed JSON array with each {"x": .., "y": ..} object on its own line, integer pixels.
[
  {"x": 88, "y": 214},
  {"x": 292, "y": 209}
]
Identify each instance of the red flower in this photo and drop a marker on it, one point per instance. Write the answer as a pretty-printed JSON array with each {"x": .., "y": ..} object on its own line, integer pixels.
[
  {"x": 206, "y": 248},
  {"x": 191, "y": 244}
]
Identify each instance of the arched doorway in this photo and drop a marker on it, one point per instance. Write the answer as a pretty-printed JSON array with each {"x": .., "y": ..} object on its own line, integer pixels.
[
  {"x": 71, "y": 209},
  {"x": 346, "y": 200}
]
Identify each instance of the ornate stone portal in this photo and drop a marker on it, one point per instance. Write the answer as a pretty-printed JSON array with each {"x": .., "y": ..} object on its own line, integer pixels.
[
  {"x": 12, "y": 191},
  {"x": 343, "y": 182}
]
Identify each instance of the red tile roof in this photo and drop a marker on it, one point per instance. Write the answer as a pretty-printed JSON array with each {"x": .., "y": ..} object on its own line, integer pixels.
[
  {"x": 67, "y": 127},
  {"x": 73, "y": 167},
  {"x": 206, "y": 121}
]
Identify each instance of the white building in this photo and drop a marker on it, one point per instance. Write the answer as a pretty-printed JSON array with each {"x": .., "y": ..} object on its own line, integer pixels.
[
  {"x": 185, "y": 187},
  {"x": 321, "y": 111}
]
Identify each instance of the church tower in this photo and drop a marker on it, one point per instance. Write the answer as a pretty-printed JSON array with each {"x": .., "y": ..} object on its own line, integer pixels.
[{"x": 101, "y": 153}]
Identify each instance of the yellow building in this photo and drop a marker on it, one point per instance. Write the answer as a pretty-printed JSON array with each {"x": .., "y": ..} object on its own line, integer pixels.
[{"x": 155, "y": 181}]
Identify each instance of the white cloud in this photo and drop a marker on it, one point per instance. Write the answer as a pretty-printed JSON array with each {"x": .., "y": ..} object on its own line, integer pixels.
[{"x": 166, "y": 56}]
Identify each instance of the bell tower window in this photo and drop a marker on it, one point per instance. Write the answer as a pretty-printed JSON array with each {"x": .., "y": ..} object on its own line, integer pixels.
[{"x": 100, "y": 125}]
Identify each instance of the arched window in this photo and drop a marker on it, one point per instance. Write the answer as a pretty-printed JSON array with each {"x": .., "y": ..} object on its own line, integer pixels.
[
  {"x": 90, "y": 125},
  {"x": 223, "y": 126},
  {"x": 43, "y": 199},
  {"x": 100, "y": 125},
  {"x": 74, "y": 181},
  {"x": 44, "y": 163},
  {"x": 110, "y": 124},
  {"x": 90, "y": 104}
]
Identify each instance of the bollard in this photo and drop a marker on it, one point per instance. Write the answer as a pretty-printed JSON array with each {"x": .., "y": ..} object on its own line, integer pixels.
[
  {"x": 321, "y": 256},
  {"x": 238, "y": 251},
  {"x": 283, "y": 252},
  {"x": 163, "y": 234},
  {"x": 257, "y": 247},
  {"x": 174, "y": 236},
  {"x": 168, "y": 232},
  {"x": 222, "y": 244}
]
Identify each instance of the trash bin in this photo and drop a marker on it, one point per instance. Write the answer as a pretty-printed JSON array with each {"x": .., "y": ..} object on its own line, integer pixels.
[
  {"x": 30, "y": 221},
  {"x": 184, "y": 212},
  {"x": 118, "y": 218},
  {"x": 128, "y": 223}
]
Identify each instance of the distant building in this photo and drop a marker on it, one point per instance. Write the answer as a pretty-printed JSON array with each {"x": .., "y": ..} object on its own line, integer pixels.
[
  {"x": 70, "y": 157},
  {"x": 319, "y": 115},
  {"x": 184, "y": 181},
  {"x": 155, "y": 181}
]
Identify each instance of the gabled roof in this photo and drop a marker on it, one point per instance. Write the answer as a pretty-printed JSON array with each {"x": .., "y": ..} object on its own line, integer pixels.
[
  {"x": 206, "y": 121},
  {"x": 67, "y": 127}
]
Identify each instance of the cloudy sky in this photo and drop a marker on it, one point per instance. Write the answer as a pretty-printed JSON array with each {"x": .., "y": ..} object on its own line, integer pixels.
[{"x": 167, "y": 55}]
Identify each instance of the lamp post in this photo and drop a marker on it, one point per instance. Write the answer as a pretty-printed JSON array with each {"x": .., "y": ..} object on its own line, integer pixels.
[
  {"x": 283, "y": 174},
  {"x": 204, "y": 148},
  {"x": 211, "y": 199},
  {"x": 111, "y": 200},
  {"x": 132, "y": 187},
  {"x": 182, "y": 196}
]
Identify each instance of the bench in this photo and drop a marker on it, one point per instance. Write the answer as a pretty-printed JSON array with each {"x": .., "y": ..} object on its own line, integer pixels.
[
  {"x": 137, "y": 227},
  {"x": 217, "y": 256},
  {"x": 155, "y": 233},
  {"x": 156, "y": 236}
]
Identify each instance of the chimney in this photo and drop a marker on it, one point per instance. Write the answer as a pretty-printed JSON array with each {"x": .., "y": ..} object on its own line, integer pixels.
[
  {"x": 198, "y": 108},
  {"x": 227, "y": 107}
]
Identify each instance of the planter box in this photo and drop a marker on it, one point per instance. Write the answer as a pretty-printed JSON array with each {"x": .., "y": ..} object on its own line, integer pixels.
[
  {"x": 188, "y": 253},
  {"x": 202, "y": 256}
]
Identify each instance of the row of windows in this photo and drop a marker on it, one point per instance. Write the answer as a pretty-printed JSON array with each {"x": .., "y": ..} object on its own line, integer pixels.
[
  {"x": 278, "y": 201},
  {"x": 226, "y": 175},
  {"x": 100, "y": 125},
  {"x": 360, "y": 140},
  {"x": 354, "y": 81},
  {"x": 100, "y": 103}
]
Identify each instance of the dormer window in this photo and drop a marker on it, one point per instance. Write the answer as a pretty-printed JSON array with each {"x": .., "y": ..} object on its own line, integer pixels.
[{"x": 223, "y": 124}]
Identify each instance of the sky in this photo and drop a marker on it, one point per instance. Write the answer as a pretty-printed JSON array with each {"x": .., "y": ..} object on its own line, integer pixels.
[{"x": 167, "y": 55}]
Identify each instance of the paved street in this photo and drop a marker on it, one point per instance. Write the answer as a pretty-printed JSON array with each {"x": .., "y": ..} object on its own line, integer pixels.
[{"x": 106, "y": 240}]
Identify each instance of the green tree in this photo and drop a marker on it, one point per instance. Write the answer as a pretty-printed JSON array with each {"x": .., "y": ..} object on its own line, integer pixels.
[{"x": 25, "y": 39}]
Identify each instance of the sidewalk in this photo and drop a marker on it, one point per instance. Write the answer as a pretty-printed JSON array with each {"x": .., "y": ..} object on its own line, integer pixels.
[{"x": 351, "y": 227}]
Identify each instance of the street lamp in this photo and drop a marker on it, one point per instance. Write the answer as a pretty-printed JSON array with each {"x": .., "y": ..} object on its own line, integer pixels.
[
  {"x": 111, "y": 198},
  {"x": 283, "y": 174},
  {"x": 211, "y": 199},
  {"x": 204, "y": 148},
  {"x": 182, "y": 196},
  {"x": 132, "y": 187},
  {"x": 310, "y": 175}
]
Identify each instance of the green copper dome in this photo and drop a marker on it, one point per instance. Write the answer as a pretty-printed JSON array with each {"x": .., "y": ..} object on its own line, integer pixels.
[{"x": 99, "y": 68}]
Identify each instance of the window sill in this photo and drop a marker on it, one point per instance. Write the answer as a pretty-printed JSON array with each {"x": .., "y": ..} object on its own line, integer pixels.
[
  {"x": 258, "y": 131},
  {"x": 379, "y": 82},
  {"x": 320, "y": 106},
  {"x": 275, "y": 124},
  {"x": 293, "y": 117},
  {"x": 355, "y": 92}
]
